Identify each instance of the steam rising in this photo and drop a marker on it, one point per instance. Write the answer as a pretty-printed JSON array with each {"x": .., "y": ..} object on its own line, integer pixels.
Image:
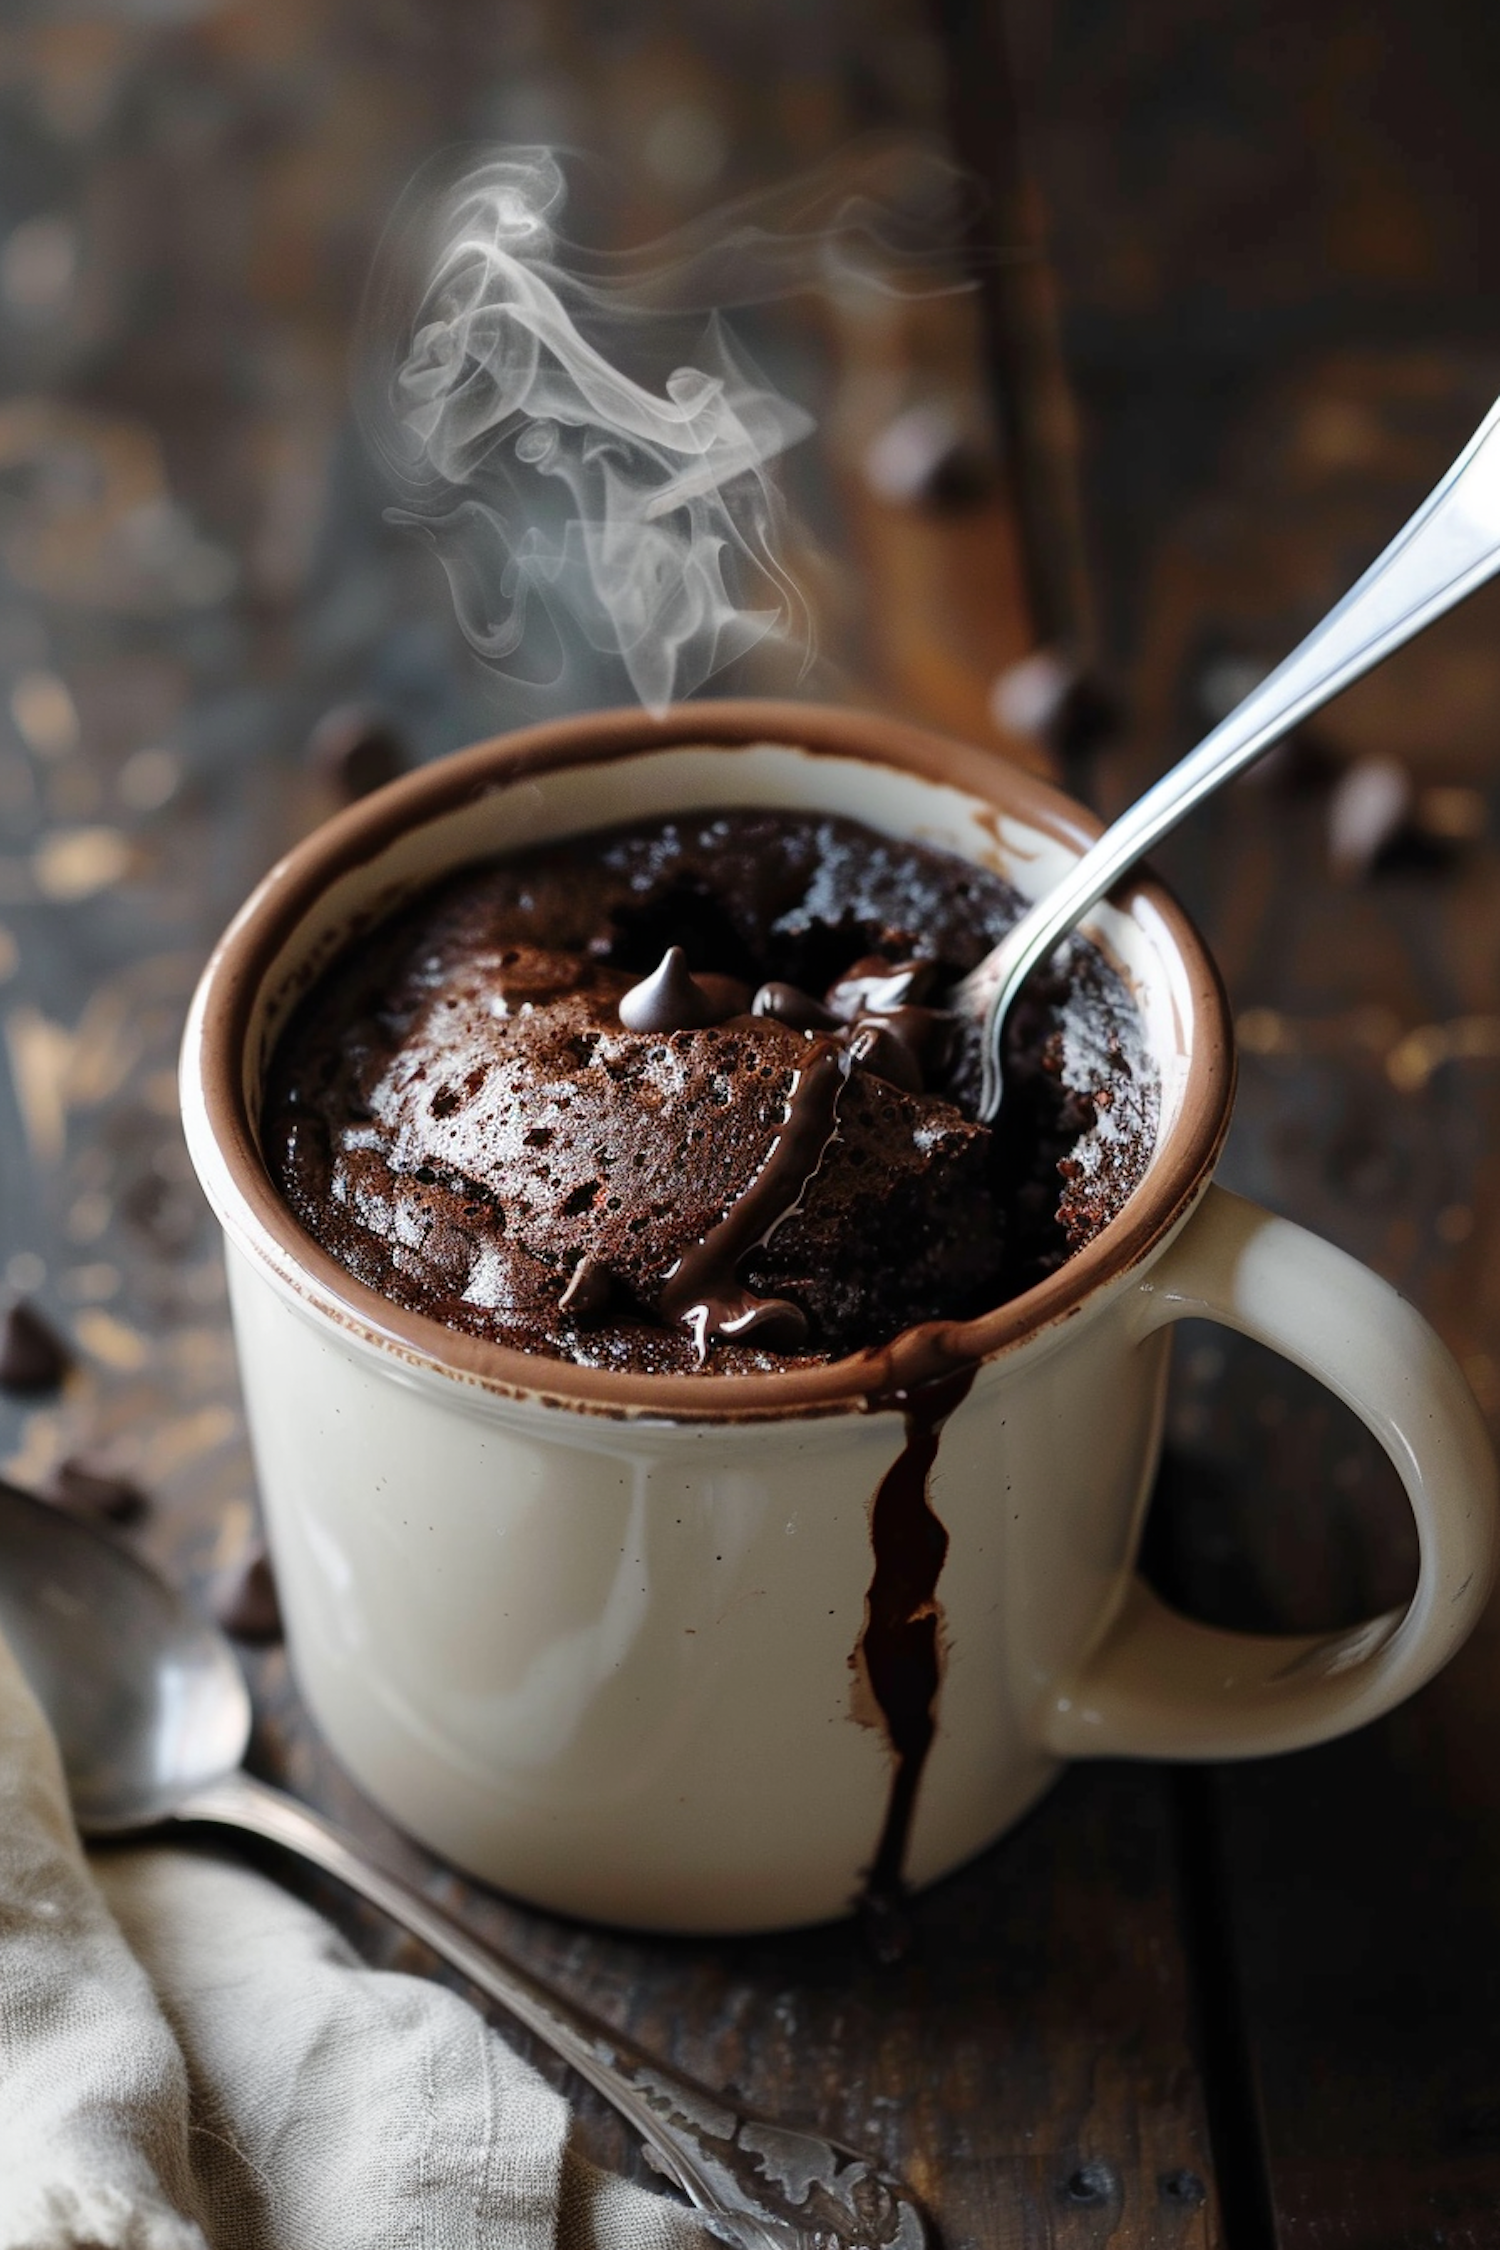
[{"x": 558, "y": 489}]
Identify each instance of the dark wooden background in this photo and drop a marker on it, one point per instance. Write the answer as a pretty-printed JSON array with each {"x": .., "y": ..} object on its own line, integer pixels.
[{"x": 1248, "y": 2007}]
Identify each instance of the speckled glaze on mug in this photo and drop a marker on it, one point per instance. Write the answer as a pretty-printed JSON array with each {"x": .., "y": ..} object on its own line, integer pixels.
[{"x": 605, "y": 1639}]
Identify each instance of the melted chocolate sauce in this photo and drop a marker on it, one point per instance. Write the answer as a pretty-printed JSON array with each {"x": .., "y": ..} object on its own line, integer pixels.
[
  {"x": 877, "y": 987},
  {"x": 876, "y": 1009},
  {"x": 900, "y": 1648},
  {"x": 701, "y": 1289},
  {"x": 788, "y": 1003},
  {"x": 875, "y": 1047}
]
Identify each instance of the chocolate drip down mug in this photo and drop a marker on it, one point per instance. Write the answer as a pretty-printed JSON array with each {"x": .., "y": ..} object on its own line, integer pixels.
[{"x": 607, "y": 1640}]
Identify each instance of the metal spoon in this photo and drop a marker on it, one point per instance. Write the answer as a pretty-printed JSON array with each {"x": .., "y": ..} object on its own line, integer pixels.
[
  {"x": 152, "y": 1716},
  {"x": 1450, "y": 546}
]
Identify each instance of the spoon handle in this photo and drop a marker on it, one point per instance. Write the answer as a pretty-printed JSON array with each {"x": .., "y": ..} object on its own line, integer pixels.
[
  {"x": 1447, "y": 549},
  {"x": 760, "y": 2185}
]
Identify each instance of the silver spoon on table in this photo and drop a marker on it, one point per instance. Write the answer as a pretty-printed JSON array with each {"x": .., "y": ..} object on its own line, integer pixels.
[
  {"x": 1448, "y": 548},
  {"x": 152, "y": 1716}
]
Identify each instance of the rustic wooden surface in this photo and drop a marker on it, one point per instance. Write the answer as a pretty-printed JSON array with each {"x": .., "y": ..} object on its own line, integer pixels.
[
  {"x": 193, "y": 567},
  {"x": 1271, "y": 236},
  {"x": 203, "y": 204}
]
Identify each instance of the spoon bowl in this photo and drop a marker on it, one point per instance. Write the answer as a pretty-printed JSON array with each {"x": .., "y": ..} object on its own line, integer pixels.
[{"x": 145, "y": 1698}]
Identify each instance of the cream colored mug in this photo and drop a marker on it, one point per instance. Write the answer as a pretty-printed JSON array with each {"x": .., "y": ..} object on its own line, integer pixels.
[{"x": 608, "y": 1640}]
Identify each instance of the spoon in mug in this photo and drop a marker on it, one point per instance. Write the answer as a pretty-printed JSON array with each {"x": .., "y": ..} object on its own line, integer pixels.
[
  {"x": 1448, "y": 548},
  {"x": 152, "y": 1717}
]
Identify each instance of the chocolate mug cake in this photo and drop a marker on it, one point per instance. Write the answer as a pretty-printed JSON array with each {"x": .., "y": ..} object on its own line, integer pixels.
[
  {"x": 652, "y": 1620},
  {"x": 683, "y": 1095}
]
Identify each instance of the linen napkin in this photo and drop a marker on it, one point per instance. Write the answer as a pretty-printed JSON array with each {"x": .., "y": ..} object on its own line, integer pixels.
[{"x": 191, "y": 2059}]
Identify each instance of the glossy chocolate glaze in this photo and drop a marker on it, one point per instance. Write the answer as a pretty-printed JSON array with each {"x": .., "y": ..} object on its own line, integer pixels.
[
  {"x": 702, "y": 1290},
  {"x": 540, "y": 1106}
]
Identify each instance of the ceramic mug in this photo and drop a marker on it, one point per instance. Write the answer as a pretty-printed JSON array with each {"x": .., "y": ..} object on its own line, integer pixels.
[{"x": 614, "y": 1642}]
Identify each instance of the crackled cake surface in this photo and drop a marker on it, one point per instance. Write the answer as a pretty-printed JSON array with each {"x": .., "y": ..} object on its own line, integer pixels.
[{"x": 682, "y": 1095}]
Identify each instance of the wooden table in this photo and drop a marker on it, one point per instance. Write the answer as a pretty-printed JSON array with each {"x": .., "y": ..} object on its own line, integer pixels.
[{"x": 1238, "y": 2007}]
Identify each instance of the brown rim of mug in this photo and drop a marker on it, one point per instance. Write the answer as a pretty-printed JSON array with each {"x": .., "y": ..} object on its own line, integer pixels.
[{"x": 235, "y": 973}]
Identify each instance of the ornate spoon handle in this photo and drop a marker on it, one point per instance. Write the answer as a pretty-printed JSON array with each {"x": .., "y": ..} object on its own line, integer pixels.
[
  {"x": 761, "y": 2185},
  {"x": 1447, "y": 549}
]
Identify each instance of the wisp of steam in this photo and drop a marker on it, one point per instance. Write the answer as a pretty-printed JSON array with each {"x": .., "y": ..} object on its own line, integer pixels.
[{"x": 556, "y": 486}]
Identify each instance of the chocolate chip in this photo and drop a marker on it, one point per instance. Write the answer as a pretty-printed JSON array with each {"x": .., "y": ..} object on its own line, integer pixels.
[
  {"x": 1048, "y": 696},
  {"x": 33, "y": 1357},
  {"x": 356, "y": 749},
  {"x": 1089, "y": 715},
  {"x": 925, "y": 458},
  {"x": 672, "y": 999},
  {"x": 1441, "y": 825},
  {"x": 877, "y": 1049},
  {"x": 88, "y": 1485},
  {"x": 1366, "y": 813},
  {"x": 1090, "y": 2184},
  {"x": 246, "y": 1604},
  {"x": 789, "y": 1004}
]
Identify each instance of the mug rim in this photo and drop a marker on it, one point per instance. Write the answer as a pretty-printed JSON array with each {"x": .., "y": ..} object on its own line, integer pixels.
[{"x": 225, "y": 1151}]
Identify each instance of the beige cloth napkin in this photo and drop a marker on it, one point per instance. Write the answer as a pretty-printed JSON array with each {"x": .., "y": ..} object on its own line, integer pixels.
[{"x": 190, "y": 2059}]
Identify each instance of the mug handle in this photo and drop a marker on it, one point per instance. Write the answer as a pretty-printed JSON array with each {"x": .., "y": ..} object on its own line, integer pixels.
[{"x": 1157, "y": 1685}]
